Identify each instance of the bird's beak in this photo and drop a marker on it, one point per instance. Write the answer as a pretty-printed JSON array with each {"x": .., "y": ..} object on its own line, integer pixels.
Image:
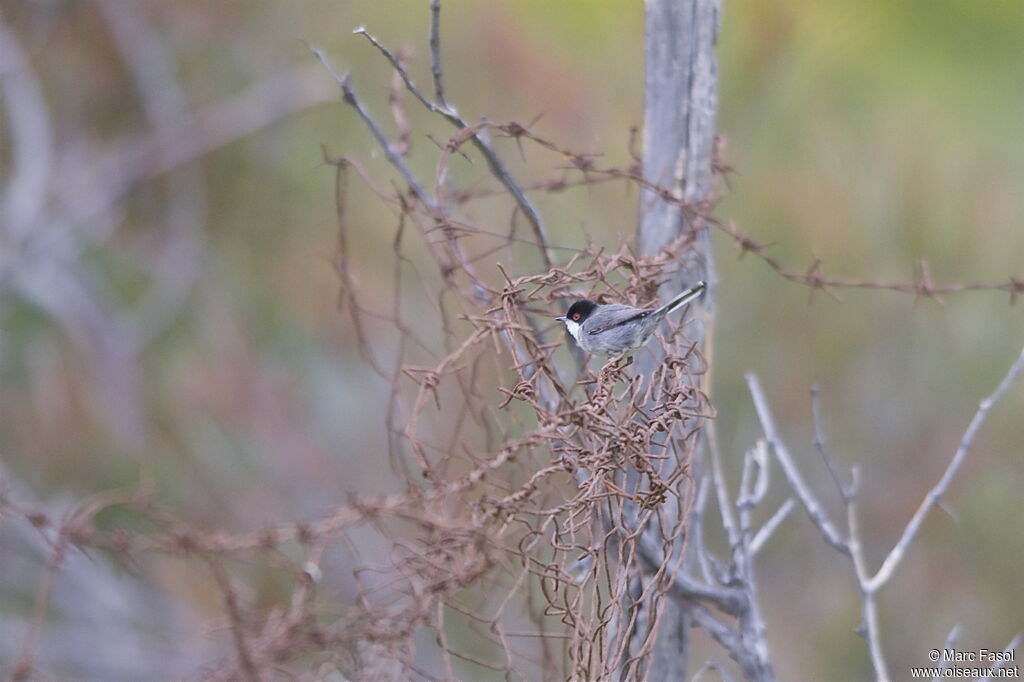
[{"x": 560, "y": 318}]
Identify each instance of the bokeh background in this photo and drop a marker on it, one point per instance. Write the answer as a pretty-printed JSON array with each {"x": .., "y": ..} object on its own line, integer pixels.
[{"x": 168, "y": 305}]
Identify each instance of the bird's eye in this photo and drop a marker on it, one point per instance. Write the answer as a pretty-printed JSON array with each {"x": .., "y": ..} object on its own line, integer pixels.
[{"x": 575, "y": 316}]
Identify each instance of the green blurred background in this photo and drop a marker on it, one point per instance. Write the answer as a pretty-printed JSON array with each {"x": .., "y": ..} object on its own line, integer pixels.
[{"x": 871, "y": 133}]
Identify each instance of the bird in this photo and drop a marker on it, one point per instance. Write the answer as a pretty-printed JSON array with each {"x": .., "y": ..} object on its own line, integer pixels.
[{"x": 616, "y": 329}]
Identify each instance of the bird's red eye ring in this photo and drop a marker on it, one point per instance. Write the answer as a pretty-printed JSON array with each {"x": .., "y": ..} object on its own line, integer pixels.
[{"x": 575, "y": 316}]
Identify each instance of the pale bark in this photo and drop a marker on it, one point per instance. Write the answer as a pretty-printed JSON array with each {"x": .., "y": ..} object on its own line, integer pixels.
[{"x": 678, "y": 140}]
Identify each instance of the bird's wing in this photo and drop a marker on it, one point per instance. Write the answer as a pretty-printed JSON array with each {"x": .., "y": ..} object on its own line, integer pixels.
[{"x": 615, "y": 315}]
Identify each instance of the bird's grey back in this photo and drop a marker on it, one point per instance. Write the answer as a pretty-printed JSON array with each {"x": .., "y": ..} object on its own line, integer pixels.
[
  {"x": 615, "y": 329},
  {"x": 608, "y": 316}
]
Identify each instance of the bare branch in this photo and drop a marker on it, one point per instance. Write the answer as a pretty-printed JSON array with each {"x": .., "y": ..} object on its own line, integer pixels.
[
  {"x": 727, "y": 599},
  {"x": 435, "y": 52},
  {"x": 717, "y": 629},
  {"x": 796, "y": 480},
  {"x": 349, "y": 96},
  {"x": 819, "y": 444},
  {"x": 754, "y": 656},
  {"x": 771, "y": 525},
  {"x": 1012, "y": 646},
  {"x": 495, "y": 163},
  {"x": 697, "y": 529},
  {"x": 853, "y": 547},
  {"x": 950, "y": 641},
  {"x": 400, "y": 68},
  {"x": 721, "y": 489},
  {"x": 936, "y": 493},
  {"x": 753, "y": 492}
]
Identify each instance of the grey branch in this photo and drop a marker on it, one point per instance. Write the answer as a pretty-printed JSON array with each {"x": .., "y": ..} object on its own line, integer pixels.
[
  {"x": 449, "y": 112},
  {"x": 435, "y": 52},
  {"x": 758, "y": 457},
  {"x": 936, "y": 493},
  {"x": 697, "y": 526},
  {"x": 721, "y": 489},
  {"x": 819, "y": 444},
  {"x": 350, "y": 98},
  {"x": 1012, "y": 646},
  {"x": 793, "y": 475},
  {"x": 867, "y": 584},
  {"x": 409, "y": 85},
  {"x": 727, "y": 599},
  {"x": 716, "y": 628},
  {"x": 745, "y": 642},
  {"x": 950, "y": 641},
  {"x": 770, "y": 526}
]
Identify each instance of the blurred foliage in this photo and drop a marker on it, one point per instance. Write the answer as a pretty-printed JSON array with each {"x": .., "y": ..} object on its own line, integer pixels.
[{"x": 874, "y": 134}]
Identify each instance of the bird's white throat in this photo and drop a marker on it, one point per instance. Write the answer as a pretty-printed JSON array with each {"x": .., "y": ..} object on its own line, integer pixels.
[{"x": 574, "y": 329}]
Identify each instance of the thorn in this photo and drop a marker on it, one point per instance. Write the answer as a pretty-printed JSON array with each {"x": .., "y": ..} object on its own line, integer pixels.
[
  {"x": 816, "y": 280},
  {"x": 813, "y": 277},
  {"x": 1016, "y": 287},
  {"x": 923, "y": 285}
]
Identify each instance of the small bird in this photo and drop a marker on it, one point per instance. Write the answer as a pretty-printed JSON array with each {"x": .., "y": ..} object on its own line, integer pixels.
[{"x": 614, "y": 328}]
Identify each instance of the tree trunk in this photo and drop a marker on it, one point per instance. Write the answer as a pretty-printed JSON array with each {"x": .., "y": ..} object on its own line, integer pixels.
[{"x": 678, "y": 139}]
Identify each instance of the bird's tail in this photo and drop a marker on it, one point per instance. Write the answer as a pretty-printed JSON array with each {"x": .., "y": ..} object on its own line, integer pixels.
[{"x": 682, "y": 299}]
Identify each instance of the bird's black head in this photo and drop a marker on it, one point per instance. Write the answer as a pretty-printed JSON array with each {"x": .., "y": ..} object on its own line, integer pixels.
[{"x": 580, "y": 310}]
